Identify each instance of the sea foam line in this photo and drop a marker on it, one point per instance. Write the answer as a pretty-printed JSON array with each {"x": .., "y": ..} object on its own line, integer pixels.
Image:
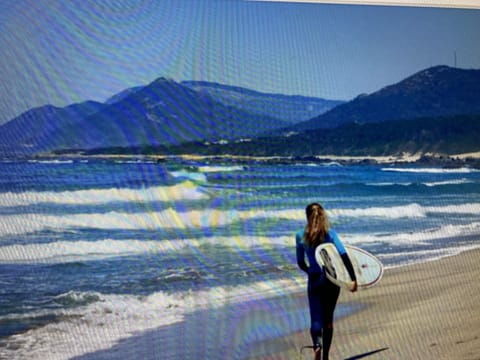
[
  {"x": 463, "y": 170},
  {"x": 417, "y": 238},
  {"x": 430, "y": 184},
  {"x": 412, "y": 210},
  {"x": 72, "y": 251},
  {"x": 185, "y": 190},
  {"x": 53, "y": 162},
  {"x": 394, "y": 212},
  {"x": 170, "y": 218},
  {"x": 185, "y": 174},
  {"x": 211, "y": 168},
  {"x": 415, "y": 257},
  {"x": 449, "y": 182},
  {"x": 115, "y": 317}
]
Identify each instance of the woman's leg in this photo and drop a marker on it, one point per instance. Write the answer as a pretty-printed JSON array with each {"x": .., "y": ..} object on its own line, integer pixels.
[
  {"x": 316, "y": 310},
  {"x": 331, "y": 296},
  {"x": 316, "y": 322}
]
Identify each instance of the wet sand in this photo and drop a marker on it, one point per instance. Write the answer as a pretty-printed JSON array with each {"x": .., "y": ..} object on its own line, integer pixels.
[{"x": 423, "y": 311}]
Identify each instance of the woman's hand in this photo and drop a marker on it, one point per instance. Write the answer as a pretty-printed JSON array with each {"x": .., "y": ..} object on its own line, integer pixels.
[{"x": 354, "y": 286}]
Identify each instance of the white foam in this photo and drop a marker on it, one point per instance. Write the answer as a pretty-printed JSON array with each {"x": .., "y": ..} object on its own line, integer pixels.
[
  {"x": 332, "y": 163},
  {"x": 449, "y": 182},
  {"x": 53, "y": 162},
  {"x": 463, "y": 170},
  {"x": 416, "y": 238},
  {"x": 185, "y": 190},
  {"x": 170, "y": 218},
  {"x": 466, "y": 209},
  {"x": 389, "y": 184},
  {"x": 96, "y": 326},
  {"x": 321, "y": 164},
  {"x": 307, "y": 165},
  {"x": 431, "y": 184},
  {"x": 72, "y": 251},
  {"x": 101, "y": 324},
  {"x": 211, "y": 168},
  {"x": 185, "y": 174},
  {"x": 394, "y": 212},
  {"x": 412, "y": 210},
  {"x": 412, "y": 257}
]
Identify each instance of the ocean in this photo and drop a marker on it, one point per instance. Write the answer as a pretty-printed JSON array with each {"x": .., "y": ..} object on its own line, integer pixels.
[{"x": 95, "y": 251}]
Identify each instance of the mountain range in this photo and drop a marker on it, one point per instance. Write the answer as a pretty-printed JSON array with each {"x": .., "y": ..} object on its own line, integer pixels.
[
  {"x": 437, "y": 91},
  {"x": 169, "y": 113},
  {"x": 290, "y": 108},
  {"x": 162, "y": 112}
]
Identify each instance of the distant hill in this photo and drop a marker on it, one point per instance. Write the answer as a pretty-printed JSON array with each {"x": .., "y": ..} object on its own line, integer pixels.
[
  {"x": 289, "y": 108},
  {"x": 166, "y": 112},
  {"x": 44, "y": 128},
  {"x": 163, "y": 112},
  {"x": 434, "y": 92}
]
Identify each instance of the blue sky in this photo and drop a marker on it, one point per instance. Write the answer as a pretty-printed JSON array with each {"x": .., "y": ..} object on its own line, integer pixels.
[{"x": 60, "y": 52}]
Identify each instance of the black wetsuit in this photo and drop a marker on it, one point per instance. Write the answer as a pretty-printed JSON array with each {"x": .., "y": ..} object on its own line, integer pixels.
[{"x": 322, "y": 293}]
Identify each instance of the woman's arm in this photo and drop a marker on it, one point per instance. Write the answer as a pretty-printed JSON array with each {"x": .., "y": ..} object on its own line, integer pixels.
[
  {"x": 300, "y": 253},
  {"x": 349, "y": 266},
  {"x": 346, "y": 260}
]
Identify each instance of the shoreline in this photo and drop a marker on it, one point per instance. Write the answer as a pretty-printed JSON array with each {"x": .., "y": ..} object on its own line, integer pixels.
[
  {"x": 427, "y": 159},
  {"x": 421, "y": 311}
]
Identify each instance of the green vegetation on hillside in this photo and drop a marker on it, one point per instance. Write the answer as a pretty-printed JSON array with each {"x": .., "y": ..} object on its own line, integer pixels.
[{"x": 446, "y": 135}]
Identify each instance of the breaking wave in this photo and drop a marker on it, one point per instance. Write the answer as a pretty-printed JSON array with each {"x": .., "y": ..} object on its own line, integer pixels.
[
  {"x": 171, "y": 218},
  {"x": 185, "y": 190},
  {"x": 115, "y": 317}
]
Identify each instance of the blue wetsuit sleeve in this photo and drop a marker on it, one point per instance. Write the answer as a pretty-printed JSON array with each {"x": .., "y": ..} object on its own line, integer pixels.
[
  {"x": 336, "y": 241},
  {"x": 343, "y": 254},
  {"x": 300, "y": 249}
]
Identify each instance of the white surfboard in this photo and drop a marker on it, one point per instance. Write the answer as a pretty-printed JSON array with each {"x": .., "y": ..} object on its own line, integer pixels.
[{"x": 368, "y": 269}]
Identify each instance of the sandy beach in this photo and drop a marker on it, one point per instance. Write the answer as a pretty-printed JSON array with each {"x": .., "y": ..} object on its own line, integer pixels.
[{"x": 423, "y": 311}]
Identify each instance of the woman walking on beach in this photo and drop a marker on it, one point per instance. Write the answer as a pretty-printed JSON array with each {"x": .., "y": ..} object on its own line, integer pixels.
[{"x": 322, "y": 293}]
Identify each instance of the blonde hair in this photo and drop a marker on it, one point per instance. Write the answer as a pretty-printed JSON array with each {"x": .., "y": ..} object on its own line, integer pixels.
[{"x": 317, "y": 225}]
